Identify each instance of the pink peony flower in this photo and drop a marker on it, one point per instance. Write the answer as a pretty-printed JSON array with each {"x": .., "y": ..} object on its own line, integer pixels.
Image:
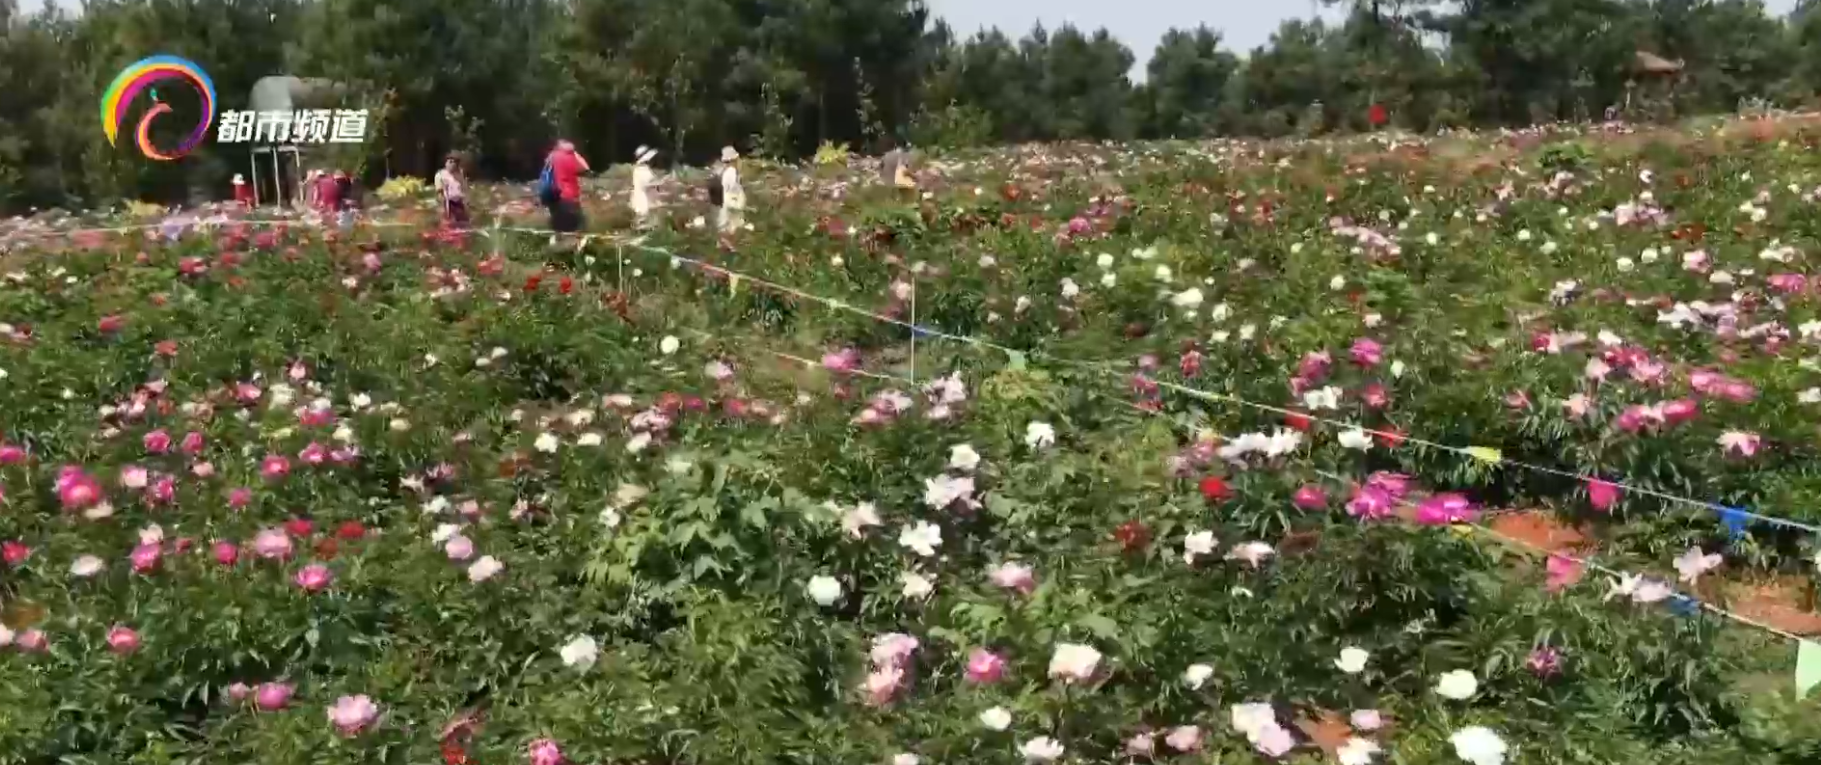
[
  {"x": 157, "y": 442},
  {"x": 240, "y": 498},
  {"x": 1561, "y": 572},
  {"x": 1310, "y": 497},
  {"x": 314, "y": 454},
  {"x": 1014, "y": 576},
  {"x": 1274, "y": 741},
  {"x": 145, "y": 558},
  {"x": 984, "y": 667},
  {"x": 1545, "y": 662},
  {"x": 76, "y": 490},
  {"x": 1740, "y": 443},
  {"x": 135, "y": 477},
  {"x": 882, "y": 685},
  {"x": 162, "y": 490},
  {"x": 274, "y": 467},
  {"x": 192, "y": 443},
  {"x": 11, "y": 454},
  {"x": 1185, "y": 738},
  {"x": 1366, "y": 352},
  {"x": 14, "y": 552},
  {"x": 272, "y": 697},
  {"x": 459, "y": 548},
  {"x": 32, "y": 641},
  {"x": 122, "y": 640},
  {"x": 314, "y": 577},
  {"x": 226, "y": 553},
  {"x": 544, "y": 752},
  {"x": 352, "y": 714},
  {"x": 1395, "y": 485},
  {"x": 272, "y": 544},
  {"x": 1366, "y": 720},
  {"x": 240, "y": 691},
  {"x": 1314, "y": 367}
]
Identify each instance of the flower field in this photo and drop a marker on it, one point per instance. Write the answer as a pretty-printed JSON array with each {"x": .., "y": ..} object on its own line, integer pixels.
[{"x": 1496, "y": 449}]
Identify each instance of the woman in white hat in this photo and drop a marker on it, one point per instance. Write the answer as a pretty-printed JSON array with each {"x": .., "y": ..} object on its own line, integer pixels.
[
  {"x": 641, "y": 184},
  {"x": 733, "y": 198}
]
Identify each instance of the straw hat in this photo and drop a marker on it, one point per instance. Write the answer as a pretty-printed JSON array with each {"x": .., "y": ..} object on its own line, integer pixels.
[
  {"x": 644, "y": 154},
  {"x": 728, "y": 154},
  {"x": 239, "y": 181}
]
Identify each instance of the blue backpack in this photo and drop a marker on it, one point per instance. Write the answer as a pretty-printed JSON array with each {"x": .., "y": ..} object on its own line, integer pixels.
[{"x": 546, "y": 186}]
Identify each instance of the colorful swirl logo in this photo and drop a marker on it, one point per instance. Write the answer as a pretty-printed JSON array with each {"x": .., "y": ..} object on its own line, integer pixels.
[{"x": 142, "y": 75}]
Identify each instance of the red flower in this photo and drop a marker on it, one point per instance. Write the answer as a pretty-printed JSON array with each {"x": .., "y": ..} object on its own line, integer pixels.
[
  {"x": 299, "y": 527},
  {"x": 111, "y": 323},
  {"x": 326, "y": 548},
  {"x": 532, "y": 281},
  {"x": 1376, "y": 115},
  {"x": 1133, "y": 536},
  {"x": 1298, "y": 421},
  {"x": 566, "y": 286},
  {"x": 350, "y": 530},
  {"x": 1214, "y": 489},
  {"x": 1390, "y": 439},
  {"x": 453, "y": 754}
]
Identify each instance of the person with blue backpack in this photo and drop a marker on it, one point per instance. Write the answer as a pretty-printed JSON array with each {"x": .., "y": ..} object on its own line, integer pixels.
[{"x": 560, "y": 187}]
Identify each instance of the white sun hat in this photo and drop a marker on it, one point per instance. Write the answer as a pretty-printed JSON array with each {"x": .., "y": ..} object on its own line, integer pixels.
[
  {"x": 239, "y": 181},
  {"x": 644, "y": 154},
  {"x": 728, "y": 154}
]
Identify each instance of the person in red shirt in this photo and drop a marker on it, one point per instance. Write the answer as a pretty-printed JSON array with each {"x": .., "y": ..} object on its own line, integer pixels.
[
  {"x": 328, "y": 193},
  {"x": 243, "y": 194},
  {"x": 566, "y": 168}
]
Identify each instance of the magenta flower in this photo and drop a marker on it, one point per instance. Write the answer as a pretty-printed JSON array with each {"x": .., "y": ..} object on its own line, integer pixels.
[
  {"x": 1371, "y": 503},
  {"x": 1740, "y": 443},
  {"x": 1444, "y": 509},
  {"x": 157, "y": 442},
  {"x": 192, "y": 443},
  {"x": 1374, "y": 396},
  {"x": 11, "y": 454},
  {"x": 1545, "y": 662},
  {"x": 162, "y": 490},
  {"x": 314, "y": 577},
  {"x": 1680, "y": 411},
  {"x": 1561, "y": 572},
  {"x": 226, "y": 553},
  {"x": 1310, "y": 497},
  {"x": 240, "y": 498},
  {"x": 122, "y": 640},
  {"x": 984, "y": 667},
  {"x": 353, "y": 714},
  {"x": 1314, "y": 367},
  {"x": 1394, "y": 485},
  {"x": 272, "y": 697},
  {"x": 314, "y": 454},
  {"x": 1366, "y": 352},
  {"x": 1601, "y": 494},
  {"x": 544, "y": 752}
]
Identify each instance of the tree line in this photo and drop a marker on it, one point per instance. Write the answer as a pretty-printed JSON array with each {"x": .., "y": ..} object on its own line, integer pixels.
[{"x": 499, "y": 79}]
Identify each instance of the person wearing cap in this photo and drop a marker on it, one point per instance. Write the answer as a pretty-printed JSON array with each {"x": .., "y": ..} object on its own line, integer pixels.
[
  {"x": 733, "y": 197},
  {"x": 641, "y": 184},
  {"x": 449, "y": 190},
  {"x": 243, "y": 194}
]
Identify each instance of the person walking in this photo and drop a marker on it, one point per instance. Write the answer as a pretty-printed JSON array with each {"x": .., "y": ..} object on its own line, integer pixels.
[
  {"x": 641, "y": 185},
  {"x": 243, "y": 194},
  {"x": 565, "y": 168},
  {"x": 733, "y": 197},
  {"x": 449, "y": 189}
]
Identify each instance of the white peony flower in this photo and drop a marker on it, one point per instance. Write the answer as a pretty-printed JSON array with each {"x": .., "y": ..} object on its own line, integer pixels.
[
  {"x": 484, "y": 569},
  {"x": 1458, "y": 685},
  {"x": 916, "y": 586},
  {"x": 580, "y": 653},
  {"x": 923, "y": 538},
  {"x": 824, "y": 590},
  {"x": 962, "y": 457},
  {"x": 669, "y": 345},
  {"x": 1044, "y": 749},
  {"x": 1039, "y": 435},
  {"x": 1479, "y": 745},
  {"x": 1352, "y": 660},
  {"x": 1357, "y": 751},
  {"x": 996, "y": 718},
  {"x": 1197, "y": 675},
  {"x": 1074, "y": 662},
  {"x": 86, "y": 566}
]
